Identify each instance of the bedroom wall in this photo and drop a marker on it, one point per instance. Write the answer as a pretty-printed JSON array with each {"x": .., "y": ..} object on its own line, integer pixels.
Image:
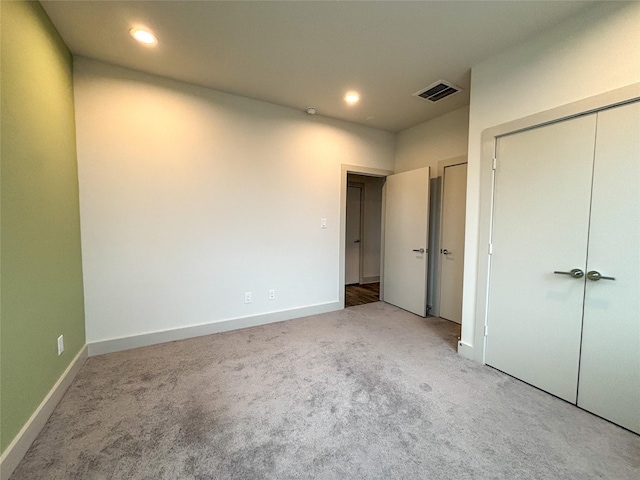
[
  {"x": 41, "y": 274},
  {"x": 428, "y": 143},
  {"x": 190, "y": 197}
]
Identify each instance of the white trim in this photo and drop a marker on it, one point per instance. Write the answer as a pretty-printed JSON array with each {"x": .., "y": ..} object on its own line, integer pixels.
[
  {"x": 382, "y": 238},
  {"x": 15, "y": 452},
  {"x": 163, "y": 336},
  {"x": 465, "y": 350},
  {"x": 372, "y": 279}
]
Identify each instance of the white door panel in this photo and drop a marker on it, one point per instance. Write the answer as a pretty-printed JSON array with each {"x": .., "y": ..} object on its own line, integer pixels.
[
  {"x": 452, "y": 251},
  {"x": 609, "y": 383},
  {"x": 540, "y": 225},
  {"x": 353, "y": 240},
  {"x": 406, "y": 229}
]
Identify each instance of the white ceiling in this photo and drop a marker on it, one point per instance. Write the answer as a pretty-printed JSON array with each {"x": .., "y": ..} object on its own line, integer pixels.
[{"x": 301, "y": 54}]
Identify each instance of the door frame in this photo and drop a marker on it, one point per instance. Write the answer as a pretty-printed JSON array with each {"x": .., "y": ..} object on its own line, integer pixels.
[
  {"x": 358, "y": 170},
  {"x": 361, "y": 186},
  {"x": 452, "y": 162},
  {"x": 586, "y": 106}
]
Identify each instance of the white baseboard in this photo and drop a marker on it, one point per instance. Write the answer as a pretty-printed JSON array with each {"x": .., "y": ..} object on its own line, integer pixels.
[
  {"x": 465, "y": 350},
  {"x": 17, "y": 449},
  {"x": 153, "y": 338},
  {"x": 370, "y": 279}
]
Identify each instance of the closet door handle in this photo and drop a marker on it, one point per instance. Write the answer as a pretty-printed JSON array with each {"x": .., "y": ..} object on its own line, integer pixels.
[
  {"x": 575, "y": 273},
  {"x": 594, "y": 276}
]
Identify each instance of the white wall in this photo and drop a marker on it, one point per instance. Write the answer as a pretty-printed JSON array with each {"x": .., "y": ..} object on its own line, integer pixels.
[
  {"x": 371, "y": 225},
  {"x": 596, "y": 51},
  {"x": 190, "y": 197},
  {"x": 430, "y": 142}
]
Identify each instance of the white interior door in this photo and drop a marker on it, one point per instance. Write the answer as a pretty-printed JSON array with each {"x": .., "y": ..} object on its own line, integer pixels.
[
  {"x": 454, "y": 196},
  {"x": 609, "y": 383},
  {"x": 540, "y": 226},
  {"x": 352, "y": 248},
  {"x": 406, "y": 230}
]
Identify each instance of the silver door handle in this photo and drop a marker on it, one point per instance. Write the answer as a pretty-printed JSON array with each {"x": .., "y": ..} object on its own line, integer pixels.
[
  {"x": 575, "y": 273},
  {"x": 419, "y": 250},
  {"x": 595, "y": 276},
  {"x": 446, "y": 252}
]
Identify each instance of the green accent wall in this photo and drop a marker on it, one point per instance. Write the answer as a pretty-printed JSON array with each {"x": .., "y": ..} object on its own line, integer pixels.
[{"x": 40, "y": 269}]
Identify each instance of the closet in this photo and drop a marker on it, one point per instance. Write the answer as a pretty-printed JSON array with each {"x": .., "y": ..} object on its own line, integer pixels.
[{"x": 564, "y": 278}]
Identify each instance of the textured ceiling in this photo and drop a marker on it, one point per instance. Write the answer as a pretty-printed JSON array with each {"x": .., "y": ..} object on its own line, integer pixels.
[{"x": 299, "y": 54}]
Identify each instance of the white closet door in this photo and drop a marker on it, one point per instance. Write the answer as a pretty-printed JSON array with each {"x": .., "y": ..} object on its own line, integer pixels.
[
  {"x": 406, "y": 233},
  {"x": 540, "y": 225},
  {"x": 352, "y": 237},
  {"x": 454, "y": 199},
  {"x": 609, "y": 383}
]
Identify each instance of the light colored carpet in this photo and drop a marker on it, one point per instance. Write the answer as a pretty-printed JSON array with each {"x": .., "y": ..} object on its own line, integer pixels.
[{"x": 370, "y": 392}]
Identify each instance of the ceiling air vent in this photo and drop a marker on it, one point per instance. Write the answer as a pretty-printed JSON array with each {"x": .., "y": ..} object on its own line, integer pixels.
[{"x": 437, "y": 91}]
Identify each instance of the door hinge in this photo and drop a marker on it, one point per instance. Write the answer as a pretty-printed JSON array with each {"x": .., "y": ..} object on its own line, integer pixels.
[
  {"x": 491, "y": 249},
  {"x": 486, "y": 330},
  {"x": 494, "y": 164}
]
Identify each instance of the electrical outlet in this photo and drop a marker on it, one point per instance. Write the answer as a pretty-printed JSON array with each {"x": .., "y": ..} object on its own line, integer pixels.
[
  {"x": 272, "y": 294},
  {"x": 60, "y": 344},
  {"x": 247, "y": 297}
]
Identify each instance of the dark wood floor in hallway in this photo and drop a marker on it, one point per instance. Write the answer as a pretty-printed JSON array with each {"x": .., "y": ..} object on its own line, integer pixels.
[{"x": 358, "y": 294}]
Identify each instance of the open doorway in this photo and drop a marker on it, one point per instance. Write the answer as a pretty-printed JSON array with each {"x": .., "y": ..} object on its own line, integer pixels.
[
  {"x": 363, "y": 238},
  {"x": 401, "y": 263}
]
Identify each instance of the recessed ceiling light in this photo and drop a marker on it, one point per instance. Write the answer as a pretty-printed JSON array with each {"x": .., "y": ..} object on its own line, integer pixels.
[
  {"x": 352, "y": 97},
  {"x": 143, "y": 36},
  {"x": 311, "y": 110}
]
